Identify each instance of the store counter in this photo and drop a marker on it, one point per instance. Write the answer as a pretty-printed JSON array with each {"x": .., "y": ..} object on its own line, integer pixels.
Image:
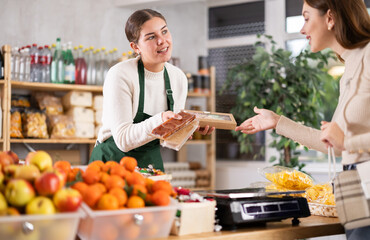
[{"x": 313, "y": 226}]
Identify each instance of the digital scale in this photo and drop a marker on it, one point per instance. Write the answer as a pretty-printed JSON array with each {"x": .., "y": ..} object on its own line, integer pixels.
[{"x": 246, "y": 206}]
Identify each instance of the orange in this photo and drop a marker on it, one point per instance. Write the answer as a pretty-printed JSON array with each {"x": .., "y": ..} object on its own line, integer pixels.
[
  {"x": 101, "y": 186},
  {"x": 91, "y": 176},
  {"x": 120, "y": 194},
  {"x": 135, "y": 202},
  {"x": 135, "y": 178},
  {"x": 104, "y": 177},
  {"x": 114, "y": 181},
  {"x": 162, "y": 185},
  {"x": 107, "y": 202},
  {"x": 94, "y": 167},
  {"x": 99, "y": 163},
  {"x": 108, "y": 165},
  {"x": 63, "y": 165},
  {"x": 80, "y": 186},
  {"x": 129, "y": 163},
  {"x": 160, "y": 198},
  {"x": 136, "y": 188},
  {"x": 118, "y": 170},
  {"x": 92, "y": 195}
]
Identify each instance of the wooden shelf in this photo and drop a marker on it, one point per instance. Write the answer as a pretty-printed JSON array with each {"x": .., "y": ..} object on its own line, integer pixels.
[
  {"x": 194, "y": 94},
  {"x": 65, "y": 141},
  {"x": 55, "y": 86},
  {"x": 2, "y": 81}
]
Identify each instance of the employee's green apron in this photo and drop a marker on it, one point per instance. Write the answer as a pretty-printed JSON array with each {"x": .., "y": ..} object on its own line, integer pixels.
[{"x": 146, "y": 154}]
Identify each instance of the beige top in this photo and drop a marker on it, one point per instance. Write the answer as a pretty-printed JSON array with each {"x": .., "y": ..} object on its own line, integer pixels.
[{"x": 352, "y": 113}]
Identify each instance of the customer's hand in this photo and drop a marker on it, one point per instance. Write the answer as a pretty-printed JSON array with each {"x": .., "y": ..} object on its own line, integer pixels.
[
  {"x": 206, "y": 130},
  {"x": 265, "y": 119},
  {"x": 332, "y": 135},
  {"x": 169, "y": 114}
]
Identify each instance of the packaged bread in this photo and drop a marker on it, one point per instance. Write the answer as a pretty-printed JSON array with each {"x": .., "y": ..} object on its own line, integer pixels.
[
  {"x": 34, "y": 124},
  {"x": 173, "y": 125},
  {"x": 77, "y": 99},
  {"x": 85, "y": 130},
  {"x": 16, "y": 123},
  {"x": 81, "y": 114},
  {"x": 61, "y": 126}
]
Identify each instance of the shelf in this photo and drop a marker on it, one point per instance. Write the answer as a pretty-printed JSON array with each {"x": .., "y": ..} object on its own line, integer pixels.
[
  {"x": 198, "y": 142},
  {"x": 194, "y": 94},
  {"x": 2, "y": 81},
  {"x": 55, "y": 86},
  {"x": 49, "y": 140}
]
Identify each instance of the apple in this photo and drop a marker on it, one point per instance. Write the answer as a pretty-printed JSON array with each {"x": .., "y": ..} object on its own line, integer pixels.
[
  {"x": 3, "y": 205},
  {"x": 19, "y": 192},
  {"x": 5, "y": 159},
  {"x": 62, "y": 176},
  {"x": 67, "y": 200},
  {"x": 12, "y": 211},
  {"x": 27, "y": 172},
  {"x": 47, "y": 184},
  {"x": 39, "y": 158},
  {"x": 14, "y": 156},
  {"x": 40, "y": 205}
]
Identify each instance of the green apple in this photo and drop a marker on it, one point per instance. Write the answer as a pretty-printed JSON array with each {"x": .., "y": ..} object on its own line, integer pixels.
[
  {"x": 39, "y": 158},
  {"x": 3, "y": 205},
  {"x": 40, "y": 205},
  {"x": 27, "y": 172},
  {"x": 67, "y": 200},
  {"x": 19, "y": 192}
]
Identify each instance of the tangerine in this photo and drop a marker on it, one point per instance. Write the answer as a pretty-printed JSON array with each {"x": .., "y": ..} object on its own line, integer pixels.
[
  {"x": 92, "y": 195},
  {"x": 129, "y": 163},
  {"x": 114, "y": 181},
  {"x": 91, "y": 176},
  {"x": 63, "y": 165},
  {"x": 162, "y": 185},
  {"x": 81, "y": 187},
  {"x": 120, "y": 194},
  {"x": 107, "y": 202},
  {"x": 149, "y": 184},
  {"x": 108, "y": 165},
  {"x": 73, "y": 173},
  {"x": 135, "y": 202},
  {"x": 118, "y": 170},
  {"x": 135, "y": 178},
  {"x": 160, "y": 198},
  {"x": 136, "y": 188}
]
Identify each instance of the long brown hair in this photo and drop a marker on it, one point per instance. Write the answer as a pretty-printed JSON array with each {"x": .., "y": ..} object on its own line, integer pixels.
[
  {"x": 352, "y": 21},
  {"x": 136, "y": 20}
]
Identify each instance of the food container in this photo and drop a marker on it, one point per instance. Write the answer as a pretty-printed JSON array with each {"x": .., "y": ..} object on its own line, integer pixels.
[
  {"x": 138, "y": 223},
  {"x": 195, "y": 217},
  {"x": 323, "y": 210},
  {"x": 224, "y": 121},
  {"x": 60, "y": 226}
]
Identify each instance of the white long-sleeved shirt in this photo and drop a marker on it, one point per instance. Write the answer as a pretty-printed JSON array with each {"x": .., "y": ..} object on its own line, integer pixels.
[{"x": 121, "y": 98}]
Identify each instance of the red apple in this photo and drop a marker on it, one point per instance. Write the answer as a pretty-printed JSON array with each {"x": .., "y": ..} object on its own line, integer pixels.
[
  {"x": 5, "y": 159},
  {"x": 47, "y": 184},
  {"x": 14, "y": 156},
  {"x": 41, "y": 159},
  {"x": 19, "y": 192},
  {"x": 67, "y": 200},
  {"x": 62, "y": 176},
  {"x": 40, "y": 205}
]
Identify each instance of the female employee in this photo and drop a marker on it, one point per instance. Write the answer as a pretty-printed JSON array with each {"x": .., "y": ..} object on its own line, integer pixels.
[
  {"x": 141, "y": 93},
  {"x": 343, "y": 26}
]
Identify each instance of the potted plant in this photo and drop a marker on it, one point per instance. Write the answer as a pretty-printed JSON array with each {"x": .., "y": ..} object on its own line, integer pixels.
[{"x": 275, "y": 80}]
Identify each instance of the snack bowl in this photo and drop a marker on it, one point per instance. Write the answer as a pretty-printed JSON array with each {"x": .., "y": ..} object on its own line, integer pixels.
[
  {"x": 134, "y": 223},
  {"x": 323, "y": 209},
  {"x": 59, "y": 226}
]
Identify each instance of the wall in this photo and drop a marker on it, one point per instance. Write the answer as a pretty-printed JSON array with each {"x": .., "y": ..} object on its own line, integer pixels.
[{"x": 99, "y": 23}]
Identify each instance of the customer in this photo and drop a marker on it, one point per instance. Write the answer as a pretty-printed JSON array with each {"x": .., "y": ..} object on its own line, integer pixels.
[
  {"x": 343, "y": 26},
  {"x": 141, "y": 93}
]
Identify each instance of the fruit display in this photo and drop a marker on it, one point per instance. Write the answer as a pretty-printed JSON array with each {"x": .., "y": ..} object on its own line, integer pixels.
[
  {"x": 35, "y": 193},
  {"x": 112, "y": 185}
]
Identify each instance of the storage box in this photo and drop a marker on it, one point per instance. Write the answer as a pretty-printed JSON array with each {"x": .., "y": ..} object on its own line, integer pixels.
[
  {"x": 214, "y": 119},
  {"x": 138, "y": 223},
  {"x": 77, "y": 99},
  {"x": 81, "y": 114},
  {"x": 60, "y": 226},
  {"x": 195, "y": 217},
  {"x": 85, "y": 130}
]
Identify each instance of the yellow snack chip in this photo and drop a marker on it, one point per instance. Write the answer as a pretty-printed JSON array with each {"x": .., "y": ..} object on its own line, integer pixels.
[{"x": 288, "y": 178}]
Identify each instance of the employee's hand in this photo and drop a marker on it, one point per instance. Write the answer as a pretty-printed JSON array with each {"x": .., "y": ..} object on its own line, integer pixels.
[
  {"x": 332, "y": 135},
  {"x": 205, "y": 130},
  {"x": 265, "y": 119},
  {"x": 169, "y": 114}
]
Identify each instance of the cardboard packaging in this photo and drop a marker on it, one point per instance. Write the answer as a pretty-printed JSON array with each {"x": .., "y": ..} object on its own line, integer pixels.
[
  {"x": 85, "y": 130},
  {"x": 224, "y": 121},
  {"x": 81, "y": 114},
  {"x": 77, "y": 99},
  {"x": 196, "y": 217}
]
